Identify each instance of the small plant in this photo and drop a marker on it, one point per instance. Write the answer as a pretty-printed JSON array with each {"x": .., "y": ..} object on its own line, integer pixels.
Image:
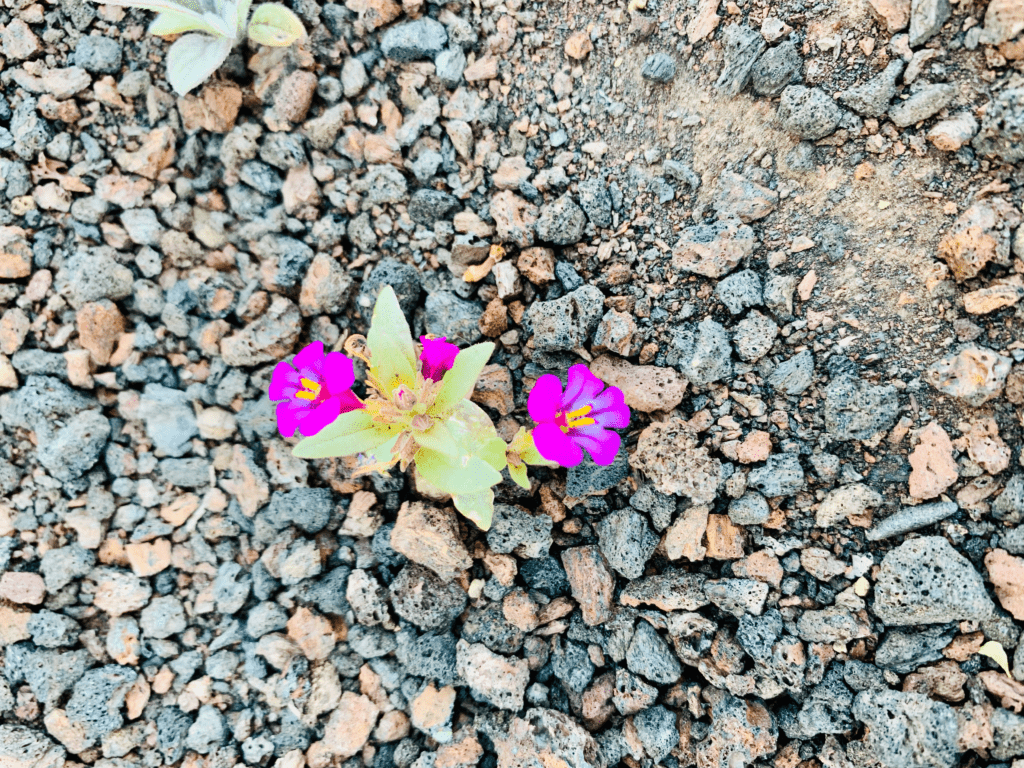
[
  {"x": 417, "y": 413},
  {"x": 194, "y": 57}
]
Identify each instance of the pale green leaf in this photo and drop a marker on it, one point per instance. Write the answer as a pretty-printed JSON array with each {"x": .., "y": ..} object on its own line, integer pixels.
[
  {"x": 476, "y": 507},
  {"x": 471, "y": 427},
  {"x": 175, "y": 22},
  {"x": 347, "y": 423},
  {"x": 273, "y": 24},
  {"x": 997, "y": 653},
  {"x": 193, "y": 58},
  {"x": 493, "y": 452},
  {"x": 439, "y": 438},
  {"x": 242, "y": 13},
  {"x": 382, "y": 454},
  {"x": 519, "y": 476},
  {"x": 456, "y": 475},
  {"x": 344, "y": 445},
  {"x": 392, "y": 354},
  {"x": 460, "y": 381}
]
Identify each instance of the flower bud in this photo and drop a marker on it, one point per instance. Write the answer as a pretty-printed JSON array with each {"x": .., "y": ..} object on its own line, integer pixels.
[
  {"x": 421, "y": 423},
  {"x": 405, "y": 398}
]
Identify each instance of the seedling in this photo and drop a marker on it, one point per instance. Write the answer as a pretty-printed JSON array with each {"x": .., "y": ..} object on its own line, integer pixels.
[
  {"x": 192, "y": 58},
  {"x": 418, "y": 413}
]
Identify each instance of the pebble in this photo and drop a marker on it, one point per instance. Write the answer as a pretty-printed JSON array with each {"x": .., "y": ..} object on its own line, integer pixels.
[
  {"x": 856, "y": 410},
  {"x": 1006, "y": 573},
  {"x": 561, "y": 222},
  {"x": 702, "y": 352},
  {"x": 673, "y": 590},
  {"x": 420, "y": 39},
  {"x": 810, "y": 113},
  {"x": 749, "y": 509},
  {"x": 669, "y": 454},
  {"x": 739, "y": 291},
  {"x": 949, "y": 135},
  {"x": 498, "y": 680},
  {"x": 22, "y": 588},
  {"x": 872, "y": 98},
  {"x": 429, "y": 535},
  {"x": 922, "y": 104},
  {"x": 98, "y": 54},
  {"x": 419, "y": 596},
  {"x": 777, "y": 68},
  {"x": 926, "y": 581},
  {"x": 713, "y": 250},
  {"x": 349, "y": 727},
  {"x": 926, "y": 19},
  {"x": 566, "y": 323},
  {"x": 626, "y": 541},
  {"x": 738, "y": 196},
  {"x": 895, "y": 13},
  {"x": 1002, "y": 127},
  {"x": 781, "y": 475},
  {"x": 933, "y": 468},
  {"x": 974, "y": 375},
  {"x": 659, "y": 67},
  {"x": 646, "y": 388},
  {"x": 650, "y": 656},
  {"x": 901, "y": 723},
  {"x": 753, "y": 338},
  {"x": 742, "y": 46},
  {"x": 848, "y": 501},
  {"x": 591, "y": 582}
]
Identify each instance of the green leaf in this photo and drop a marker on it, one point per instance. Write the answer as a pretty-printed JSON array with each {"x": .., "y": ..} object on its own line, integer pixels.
[
  {"x": 273, "y": 24},
  {"x": 347, "y": 423},
  {"x": 459, "y": 382},
  {"x": 243, "y": 12},
  {"x": 471, "y": 427},
  {"x": 997, "y": 653},
  {"x": 493, "y": 452},
  {"x": 519, "y": 476},
  {"x": 344, "y": 445},
  {"x": 175, "y": 22},
  {"x": 439, "y": 438},
  {"x": 456, "y": 475},
  {"x": 392, "y": 355},
  {"x": 476, "y": 507},
  {"x": 193, "y": 58}
]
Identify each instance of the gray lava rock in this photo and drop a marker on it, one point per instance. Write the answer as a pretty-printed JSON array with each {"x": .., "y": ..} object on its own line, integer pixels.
[
  {"x": 754, "y": 336},
  {"x": 588, "y": 478},
  {"x": 1007, "y": 734},
  {"x": 371, "y": 642},
  {"x": 739, "y": 291},
  {"x": 207, "y": 732},
  {"x": 171, "y": 730},
  {"x": 658, "y": 732},
  {"x": 48, "y": 674},
  {"x": 810, "y": 113},
  {"x": 781, "y": 475},
  {"x": 546, "y": 575},
  {"x": 595, "y": 201},
  {"x": 757, "y": 634},
  {"x": 661, "y": 507},
  {"x": 456, "y": 319},
  {"x": 650, "y": 656},
  {"x": 922, "y": 104},
  {"x": 861, "y": 676},
  {"x": 420, "y": 596},
  {"x": 427, "y": 206},
  {"x": 489, "y": 626},
  {"x": 659, "y": 67},
  {"x": 910, "y": 519},
  {"x": 308, "y": 508},
  {"x": 170, "y": 419},
  {"x": 231, "y": 588},
  {"x": 96, "y": 702},
  {"x": 926, "y": 19},
  {"x": 826, "y": 709},
  {"x": 567, "y": 323},
  {"x": 420, "y": 39},
  {"x": 430, "y": 655},
  {"x": 702, "y": 352},
  {"x": 872, "y": 98},
  {"x": 626, "y": 542},
  {"x": 777, "y": 68},
  {"x": 76, "y": 447},
  {"x": 1002, "y": 127},
  {"x": 903, "y": 652},
  {"x": 265, "y": 618},
  {"x": 926, "y": 581},
  {"x": 750, "y": 509},
  {"x": 795, "y": 375},
  {"x": 572, "y": 665},
  {"x": 737, "y": 596},
  {"x": 163, "y": 617},
  {"x": 98, "y": 54},
  {"x": 561, "y": 222},
  {"x": 908, "y": 729},
  {"x": 291, "y": 258},
  {"x": 742, "y": 46},
  {"x": 855, "y": 410},
  {"x": 513, "y": 529},
  {"x": 94, "y": 275},
  {"x": 52, "y": 630},
  {"x": 449, "y": 65},
  {"x": 62, "y": 566},
  {"x": 403, "y": 279},
  {"x": 1009, "y": 505}
]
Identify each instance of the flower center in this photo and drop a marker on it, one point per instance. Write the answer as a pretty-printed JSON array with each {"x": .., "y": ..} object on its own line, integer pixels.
[
  {"x": 310, "y": 390},
  {"x": 574, "y": 419}
]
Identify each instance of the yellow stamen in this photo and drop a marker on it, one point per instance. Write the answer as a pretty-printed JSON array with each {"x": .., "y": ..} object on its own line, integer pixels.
[
  {"x": 313, "y": 390},
  {"x": 578, "y": 418}
]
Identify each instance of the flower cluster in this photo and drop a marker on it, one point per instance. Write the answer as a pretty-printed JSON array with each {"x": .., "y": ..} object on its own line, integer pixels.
[{"x": 416, "y": 412}]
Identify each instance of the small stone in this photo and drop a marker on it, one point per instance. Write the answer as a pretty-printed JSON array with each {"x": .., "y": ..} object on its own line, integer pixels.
[
  {"x": 1002, "y": 126},
  {"x": 1005, "y": 572},
  {"x": 432, "y": 712},
  {"x": 849, "y": 501},
  {"x": 537, "y": 265},
  {"x": 567, "y": 323},
  {"x": 895, "y": 13},
  {"x": 514, "y": 529},
  {"x": 484, "y": 68},
  {"x": 163, "y": 617},
  {"x": 926, "y": 19},
  {"x": 669, "y": 454},
  {"x": 578, "y": 45},
  {"x": 926, "y": 581},
  {"x": 659, "y": 67},
  {"x": 872, "y": 98},
  {"x": 974, "y": 375},
  {"x": 215, "y": 109},
  {"x": 670, "y": 591},
  {"x": 922, "y": 104},
  {"x": 207, "y": 732},
  {"x": 739, "y": 291},
  {"x": 743, "y": 198},
  {"x": 753, "y": 338},
  {"x": 646, "y": 388},
  {"x": 750, "y": 509},
  {"x": 149, "y": 558},
  {"x": 626, "y": 542},
  {"x": 776, "y": 69},
  {"x": 907, "y": 729},
  {"x": 856, "y": 410},
  {"x": 423, "y": 38},
  {"x": 312, "y": 633},
  {"x": 155, "y": 153},
  {"x": 514, "y": 218},
  {"x": 932, "y": 463},
  {"x": 782, "y": 475},
  {"x": 498, "y": 680},
  {"x": 561, "y": 222},
  {"x": 591, "y": 581},
  {"x": 429, "y": 535},
  {"x": 980, "y": 235},
  {"x": 22, "y": 588},
  {"x": 683, "y": 538},
  {"x": 702, "y": 352},
  {"x": 349, "y": 727},
  {"x": 741, "y": 732},
  {"x": 419, "y": 596},
  {"x": 713, "y": 250},
  {"x": 810, "y": 113},
  {"x": 18, "y": 41},
  {"x": 267, "y": 339},
  {"x": 737, "y": 596},
  {"x": 949, "y": 135},
  {"x": 98, "y": 54},
  {"x": 100, "y": 326},
  {"x": 742, "y": 46},
  {"x": 650, "y": 656}
]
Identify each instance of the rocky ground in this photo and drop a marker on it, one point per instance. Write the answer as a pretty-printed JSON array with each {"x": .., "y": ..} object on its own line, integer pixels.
[{"x": 791, "y": 233}]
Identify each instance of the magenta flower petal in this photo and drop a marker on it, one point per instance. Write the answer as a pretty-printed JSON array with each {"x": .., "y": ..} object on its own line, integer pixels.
[
  {"x": 310, "y": 356},
  {"x": 610, "y": 409},
  {"x": 288, "y": 417},
  {"x": 339, "y": 372},
  {"x": 438, "y": 357},
  {"x": 555, "y": 445},
  {"x": 319, "y": 417},
  {"x": 582, "y": 386},
  {"x": 349, "y": 401},
  {"x": 283, "y": 381},
  {"x": 602, "y": 444},
  {"x": 545, "y": 398}
]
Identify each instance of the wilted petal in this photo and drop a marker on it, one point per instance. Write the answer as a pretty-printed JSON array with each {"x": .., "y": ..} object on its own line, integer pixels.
[
  {"x": 545, "y": 398},
  {"x": 284, "y": 382},
  {"x": 554, "y": 445},
  {"x": 339, "y": 373},
  {"x": 320, "y": 417}
]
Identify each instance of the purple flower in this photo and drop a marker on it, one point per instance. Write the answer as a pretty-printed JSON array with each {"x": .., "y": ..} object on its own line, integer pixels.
[
  {"x": 581, "y": 417},
  {"x": 437, "y": 356},
  {"x": 315, "y": 388}
]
